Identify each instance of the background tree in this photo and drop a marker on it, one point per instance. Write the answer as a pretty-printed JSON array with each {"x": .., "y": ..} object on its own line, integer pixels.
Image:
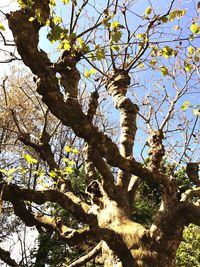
[{"x": 104, "y": 56}]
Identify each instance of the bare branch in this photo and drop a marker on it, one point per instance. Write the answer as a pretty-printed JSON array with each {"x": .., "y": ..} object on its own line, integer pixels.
[
  {"x": 89, "y": 256},
  {"x": 5, "y": 257},
  {"x": 67, "y": 201},
  {"x": 190, "y": 193}
]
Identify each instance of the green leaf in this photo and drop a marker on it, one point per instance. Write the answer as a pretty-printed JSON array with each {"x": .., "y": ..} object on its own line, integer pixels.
[
  {"x": 195, "y": 28},
  {"x": 68, "y": 170},
  {"x": 55, "y": 34},
  {"x": 114, "y": 24},
  {"x": 57, "y": 20},
  {"x": 153, "y": 62},
  {"x": 116, "y": 36},
  {"x": 154, "y": 51},
  {"x": 178, "y": 13},
  {"x": 100, "y": 54},
  {"x": 181, "y": 13},
  {"x": 185, "y": 105},
  {"x": 141, "y": 65},
  {"x": 164, "y": 19},
  {"x": 65, "y": 2},
  {"x": 52, "y": 174},
  {"x": 190, "y": 50},
  {"x": 30, "y": 159},
  {"x": 81, "y": 42},
  {"x": 11, "y": 171},
  {"x": 197, "y": 59},
  {"x": 31, "y": 19},
  {"x": 115, "y": 47},
  {"x": 139, "y": 35},
  {"x": 28, "y": 4},
  {"x": 87, "y": 74},
  {"x": 68, "y": 149},
  {"x": 172, "y": 16},
  {"x": 38, "y": 15},
  {"x": 196, "y": 112},
  {"x": 3, "y": 171},
  {"x": 22, "y": 170},
  {"x": 52, "y": 3},
  {"x": 188, "y": 67},
  {"x": 148, "y": 10},
  {"x": 2, "y": 28},
  {"x": 167, "y": 51},
  {"x": 76, "y": 151},
  {"x": 65, "y": 45}
]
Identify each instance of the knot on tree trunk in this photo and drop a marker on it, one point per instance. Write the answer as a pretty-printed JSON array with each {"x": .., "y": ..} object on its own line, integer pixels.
[
  {"x": 70, "y": 75},
  {"x": 156, "y": 151},
  {"x": 119, "y": 80}
]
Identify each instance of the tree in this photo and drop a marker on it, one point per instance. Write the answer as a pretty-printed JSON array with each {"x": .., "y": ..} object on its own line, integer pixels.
[{"x": 104, "y": 53}]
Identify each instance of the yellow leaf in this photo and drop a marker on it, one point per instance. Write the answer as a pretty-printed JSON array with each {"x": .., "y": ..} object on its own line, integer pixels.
[
  {"x": 87, "y": 74},
  {"x": 65, "y": 45},
  {"x": 31, "y": 19},
  {"x": 3, "y": 171},
  {"x": 141, "y": 65},
  {"x": 185, "y": 105},
  {"x": 164, "y": 70},
  {"x": 148, "y": 10},
  {"x": 176, "y": 27},
  {"x": 76, "y": 151},
  {"x": 65, "y": 2},
  {"x": 139, "y": 35},
  {"x": 153, "y": 62},
  {"x": 190, "y": 50},
  {"x": 68, "y": 149},
  {"x": 2, "y": 28},
  {"x": 115, "y": 24},
  {"x": 30, "y": 159},
  {"x": 57, "y": 20},
  {"x": 11, "y": 171},
  {"x": 188, "y": 67},
  {"x": 195, "y": 28},
  {"x": 53, "y": 3},
  {"x": 196, "y": 112},
  {"x": 197, "y": 59}
]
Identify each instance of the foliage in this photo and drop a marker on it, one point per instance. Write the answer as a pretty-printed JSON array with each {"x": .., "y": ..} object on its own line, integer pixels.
[
  {"x": 147, "y": 203},
  {"x": 188, "y": 253}
]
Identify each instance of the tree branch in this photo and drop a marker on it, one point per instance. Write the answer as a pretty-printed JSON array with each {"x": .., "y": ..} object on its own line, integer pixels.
[
  {"x": 66, "y": 200},
  {"x": 5, "y": 257},
  {"x": 69, "y": 112},
  {"x": 190, "y": 193},
  {"x": 117, "y": 87},
  {"x": 89, "y": 256}
]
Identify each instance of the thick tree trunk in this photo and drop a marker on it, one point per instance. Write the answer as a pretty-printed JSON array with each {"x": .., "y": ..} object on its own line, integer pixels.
[
  {"x": 109, "y": 257},
  {"x": 152, "y": 260},
  {"x": 145, "y": 248}
]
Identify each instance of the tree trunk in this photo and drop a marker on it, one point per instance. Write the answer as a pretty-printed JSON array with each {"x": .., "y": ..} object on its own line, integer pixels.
[
  {"x": 153, "y": 260},
  {"x": 145, "y": 247}
]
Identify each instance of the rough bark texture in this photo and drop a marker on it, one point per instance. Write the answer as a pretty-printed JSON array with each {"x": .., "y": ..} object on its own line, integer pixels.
[{"x": 107, "y": 214}]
